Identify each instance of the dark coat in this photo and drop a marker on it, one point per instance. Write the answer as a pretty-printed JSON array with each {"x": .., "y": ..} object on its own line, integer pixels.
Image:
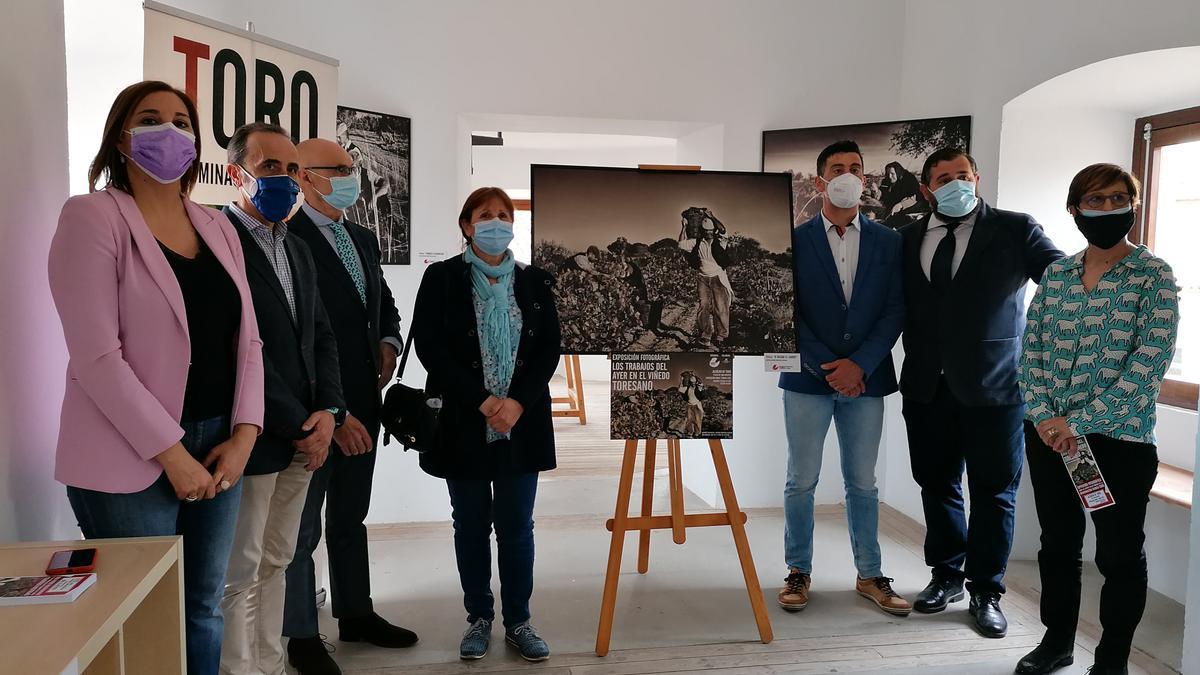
[
  {"x": 447, "y": 343},
  {"x": 973, "y": 334},
  {"x": 300, "y": 360},
  {"x": 359, "y": 329}
]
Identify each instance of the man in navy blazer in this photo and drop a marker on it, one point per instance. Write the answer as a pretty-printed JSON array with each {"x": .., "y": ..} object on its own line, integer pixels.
[
  {"x": 965, "y": 270},
  {"x": 849, "y": 313}
]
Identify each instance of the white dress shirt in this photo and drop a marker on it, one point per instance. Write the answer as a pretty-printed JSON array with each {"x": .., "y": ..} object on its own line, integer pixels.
[
  {"x": 934, "y": 236},
  {"x": 845, "y": 252}
]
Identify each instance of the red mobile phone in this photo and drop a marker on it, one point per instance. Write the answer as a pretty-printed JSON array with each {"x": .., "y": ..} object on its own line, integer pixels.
[{"x": 79, "y": 561}]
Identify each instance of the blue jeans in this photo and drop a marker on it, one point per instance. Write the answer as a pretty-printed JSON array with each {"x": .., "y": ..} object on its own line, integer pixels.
[
  {"x": 507, "y": 503},
  {"x": 207, "y": 527},
  {"x": 859, "y": 428}
]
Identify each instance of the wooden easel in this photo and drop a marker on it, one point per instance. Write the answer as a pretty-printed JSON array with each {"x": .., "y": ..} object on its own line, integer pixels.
[
  {"x": 574, "y": 397},
  {"x": 678, "y": 523}
]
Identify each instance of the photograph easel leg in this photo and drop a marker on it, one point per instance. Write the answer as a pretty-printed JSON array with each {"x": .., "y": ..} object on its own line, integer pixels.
[{"x": 677, "y": 522}]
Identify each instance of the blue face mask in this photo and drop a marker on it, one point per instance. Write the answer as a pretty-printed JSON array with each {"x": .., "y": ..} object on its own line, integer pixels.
[
  {"x": 345, "y": 191},
  {"x": 956, "y": 198},
  {"x": 273, "y": 196},
  {"x": 493, "y": 236}
]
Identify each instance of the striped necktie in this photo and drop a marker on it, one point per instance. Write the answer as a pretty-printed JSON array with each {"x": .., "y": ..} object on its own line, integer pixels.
[{"x": 349, "y": 257}]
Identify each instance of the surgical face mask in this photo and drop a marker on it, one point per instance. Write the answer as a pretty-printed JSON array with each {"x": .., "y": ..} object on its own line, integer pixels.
[
  {"x": 163, "y": 151},
  {"x": 956, "y": 198},
  {"x": 345, "y": 190},
  {"x": 845, "y": 191},
  {"x": 493, "y": 236},
  {"x": 275, "y": 197},
  {"x": 1105, "y": 229}
]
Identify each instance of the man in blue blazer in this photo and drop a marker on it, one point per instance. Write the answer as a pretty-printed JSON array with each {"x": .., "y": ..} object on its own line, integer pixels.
[
  {"x": 965, "y": 270},
  {"x": 849, "y": 312}
]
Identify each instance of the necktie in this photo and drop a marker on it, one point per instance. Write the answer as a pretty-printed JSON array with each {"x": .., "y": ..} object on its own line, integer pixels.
[
  {"x": 943, "y": 259},
  {"x": 349, "y": 257}
]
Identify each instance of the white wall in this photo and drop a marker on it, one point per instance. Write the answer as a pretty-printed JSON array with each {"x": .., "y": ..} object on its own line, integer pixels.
[{"x": 33, "y": 186}]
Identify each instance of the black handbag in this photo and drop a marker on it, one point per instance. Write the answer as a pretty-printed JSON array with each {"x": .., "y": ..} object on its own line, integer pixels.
[{"x": 410, "y": 415}]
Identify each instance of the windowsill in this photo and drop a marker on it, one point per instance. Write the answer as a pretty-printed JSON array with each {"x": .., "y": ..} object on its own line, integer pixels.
[{"x": 1173, "y": 486}]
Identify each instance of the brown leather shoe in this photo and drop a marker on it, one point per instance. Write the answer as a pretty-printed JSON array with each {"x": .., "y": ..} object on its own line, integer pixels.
[
  {"x": 794, "y": 596},
  {"x": 879, "y": 591}
]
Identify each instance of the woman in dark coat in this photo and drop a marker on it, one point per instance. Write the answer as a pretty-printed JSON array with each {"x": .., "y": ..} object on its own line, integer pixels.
[
  {"x": 901, "y": 197},
  {"x": 486, "y": 331}
]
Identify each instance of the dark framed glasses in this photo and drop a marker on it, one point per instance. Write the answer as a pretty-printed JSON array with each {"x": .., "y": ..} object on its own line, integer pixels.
[
  {"x": 1119, "y": 200},
  {"x": 341, "y": 169}
]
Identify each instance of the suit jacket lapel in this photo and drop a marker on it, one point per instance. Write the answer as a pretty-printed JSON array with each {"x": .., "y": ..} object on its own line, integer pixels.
[
  {"x": 152, "y": 255},
  {"x": 322, "y": 251},
  {"x": 300, "y": 276},
  {"x": 820, "y": 244},
  {"x": 982, "y": 234},
  {"x": 257, "y": 263},
  {"x": 914, "y": 236},
  {"x": 866, "y": 247}
]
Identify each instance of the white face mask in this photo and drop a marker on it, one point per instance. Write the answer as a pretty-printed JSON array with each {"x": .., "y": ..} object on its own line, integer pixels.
[{"x": 845, "y": 191}]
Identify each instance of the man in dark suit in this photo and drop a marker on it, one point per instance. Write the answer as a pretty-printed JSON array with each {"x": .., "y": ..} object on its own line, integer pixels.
[
  {"x": 966, "y": 266},
  {"x": 849, "y": 311},
  {"x": 367, "y": 326},
  {"x": 303, "y": 396}
]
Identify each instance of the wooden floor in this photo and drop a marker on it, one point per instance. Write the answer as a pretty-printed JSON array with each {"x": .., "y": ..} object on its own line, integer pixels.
[{"x": 859, "y": 639}]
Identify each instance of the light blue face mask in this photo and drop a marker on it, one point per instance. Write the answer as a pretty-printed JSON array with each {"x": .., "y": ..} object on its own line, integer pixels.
[
  {"x": 493, "y": 236},
  {"x": 345, "y": 191},
  {"x": 956, "y": 198}
]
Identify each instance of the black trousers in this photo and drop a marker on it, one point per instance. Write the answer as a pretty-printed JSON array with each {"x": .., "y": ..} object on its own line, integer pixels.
[
  {"x": 944, "y": 437},
  {"x": 343, "y": 486},
  {"x": 1129, "y": 469}
]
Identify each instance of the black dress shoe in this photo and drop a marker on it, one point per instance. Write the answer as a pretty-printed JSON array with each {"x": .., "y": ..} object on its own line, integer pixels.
[
  {"x": 941, "y": 591},
  {"x": 1047, "y": 657},
  {"x": 310, "y": 656},
  {"x": 375, "y": 630},
  {"x": 989, "y": 620}
]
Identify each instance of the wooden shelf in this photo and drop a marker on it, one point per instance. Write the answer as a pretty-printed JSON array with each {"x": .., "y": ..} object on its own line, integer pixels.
[
  {"x": 1173, "y": 486},
  {"x": 129, "y": 621}
]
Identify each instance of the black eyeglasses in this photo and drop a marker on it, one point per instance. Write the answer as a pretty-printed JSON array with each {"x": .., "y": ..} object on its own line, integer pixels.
[
  {"x": 341, "y": 169},
  {"x": 1119, "y": 200}
]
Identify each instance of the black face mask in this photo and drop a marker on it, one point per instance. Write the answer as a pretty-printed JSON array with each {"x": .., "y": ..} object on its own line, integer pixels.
[{"x": 1105, "y": 231}]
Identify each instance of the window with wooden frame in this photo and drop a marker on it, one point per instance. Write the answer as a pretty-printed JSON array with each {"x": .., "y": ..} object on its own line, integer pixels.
[{"x": 1166, "y": 158}]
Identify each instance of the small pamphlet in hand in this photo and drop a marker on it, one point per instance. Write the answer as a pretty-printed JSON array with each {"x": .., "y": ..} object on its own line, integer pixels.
[
  {"x": 1085, "y": 474},
  {"x": 43, "y": 590}
]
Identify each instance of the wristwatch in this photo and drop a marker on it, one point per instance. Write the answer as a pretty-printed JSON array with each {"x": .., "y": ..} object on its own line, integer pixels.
[{"x": 339, "y": 416}]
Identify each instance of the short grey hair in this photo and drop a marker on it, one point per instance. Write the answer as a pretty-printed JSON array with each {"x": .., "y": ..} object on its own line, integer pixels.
[{"x": 236, "y": 152}]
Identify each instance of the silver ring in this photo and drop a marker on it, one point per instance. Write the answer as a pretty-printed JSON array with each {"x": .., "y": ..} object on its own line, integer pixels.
[
  {"x": 224, "y": 485},
  {"x": 190, "y": 498}
]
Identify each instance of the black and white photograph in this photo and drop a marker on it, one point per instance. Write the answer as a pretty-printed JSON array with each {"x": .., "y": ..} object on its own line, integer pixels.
[
  {"x": 667, "y": 261},
  {"x": 893, "y": 153},
  {"x": 672, "y": 395},
  {"x": 381, "y": 147}
]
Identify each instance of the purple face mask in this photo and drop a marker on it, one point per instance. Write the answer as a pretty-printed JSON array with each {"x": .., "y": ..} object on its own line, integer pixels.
[{"x": 163, "y": 151}]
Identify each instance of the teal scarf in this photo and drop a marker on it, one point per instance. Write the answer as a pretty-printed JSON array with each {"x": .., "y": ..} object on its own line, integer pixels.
[{"x": 495, "y": 329}]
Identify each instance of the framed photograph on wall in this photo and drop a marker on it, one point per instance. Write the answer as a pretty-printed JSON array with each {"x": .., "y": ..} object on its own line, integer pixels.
[
  {"x": 667, "y": 261},
  {"x": 380, "y": 145},
  {"x": 893, "y": 153}
]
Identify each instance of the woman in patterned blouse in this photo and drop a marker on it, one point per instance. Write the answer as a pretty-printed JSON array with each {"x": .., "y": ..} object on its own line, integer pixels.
[{"x": 1099, "y": 339}]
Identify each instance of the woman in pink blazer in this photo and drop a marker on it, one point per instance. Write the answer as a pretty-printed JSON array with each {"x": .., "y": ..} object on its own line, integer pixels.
[{"x": 164, "y": 391}]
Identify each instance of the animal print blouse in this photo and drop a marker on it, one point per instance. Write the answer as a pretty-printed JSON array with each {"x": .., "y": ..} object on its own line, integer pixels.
[{"x": 1099, "y": 358}]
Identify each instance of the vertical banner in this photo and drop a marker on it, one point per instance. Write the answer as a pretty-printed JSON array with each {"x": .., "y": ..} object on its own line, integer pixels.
[{"x": 235, "y": 77}]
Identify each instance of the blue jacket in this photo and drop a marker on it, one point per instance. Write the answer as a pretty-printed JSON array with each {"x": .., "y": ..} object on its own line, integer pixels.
[{"x": 829, "y": 328}]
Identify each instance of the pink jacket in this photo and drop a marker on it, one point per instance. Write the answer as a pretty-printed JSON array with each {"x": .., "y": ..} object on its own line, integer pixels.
[{"x": 126, "y": 328}]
